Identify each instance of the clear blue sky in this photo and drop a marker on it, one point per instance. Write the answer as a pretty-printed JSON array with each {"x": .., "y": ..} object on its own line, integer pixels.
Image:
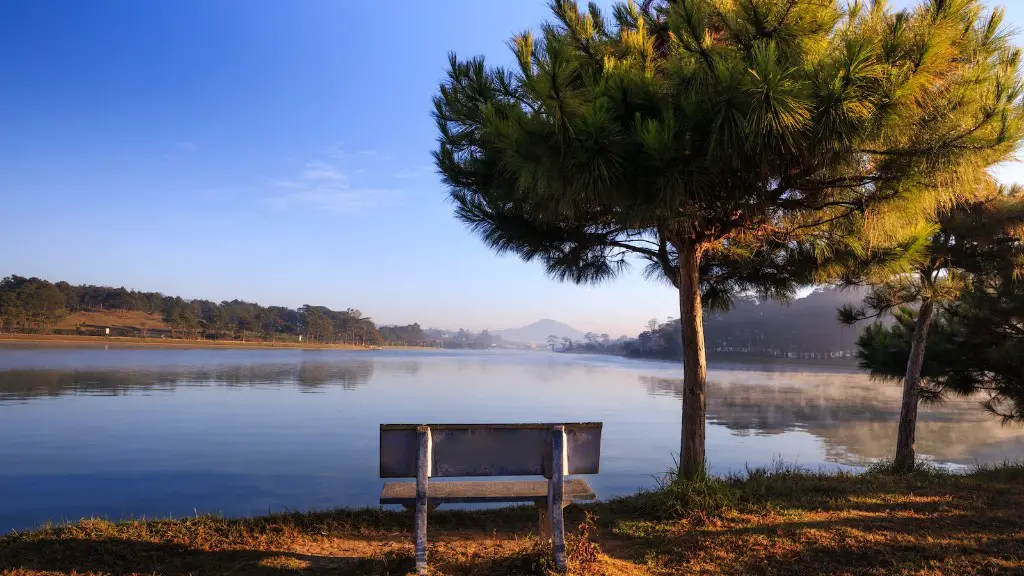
[{"x": 272, "y": 151}]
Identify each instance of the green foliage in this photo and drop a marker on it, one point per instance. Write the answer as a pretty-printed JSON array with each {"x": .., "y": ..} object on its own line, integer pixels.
[
  {"x": 920, "y": 470},
  {"x": 780, "y": 483},
  {"x": 30, "y": 304},
  {"x": 976, "y": 345},
  {"x": 182, "y": 318},
  {"x": 34, "y": 305},
  {"x": 883, "y": 350},
  {"x": 986, "y": 346},
  {"x": 677, "y": 498},
  {"x": 971, "y": 264},
  {"x": 936, "y": 261},
  {"x": 349, "y": 326},
  {"x": 737, "y": 126},
  {"x": 319, "y": 327},
  {"x": 411, "y": 335}
]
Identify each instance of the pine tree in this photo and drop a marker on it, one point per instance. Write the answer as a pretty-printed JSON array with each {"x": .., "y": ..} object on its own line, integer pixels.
[
  {"x": 722, "y": 142},
  {"x": 975, "y": 345},
  {"x": 965, "y": 245},
  {"x": 986, "y": 345}
]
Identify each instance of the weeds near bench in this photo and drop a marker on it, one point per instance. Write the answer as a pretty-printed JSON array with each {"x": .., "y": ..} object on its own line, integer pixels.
[
  {"x": 581, "y": 548},
  {"x": 678, "y": 498}
]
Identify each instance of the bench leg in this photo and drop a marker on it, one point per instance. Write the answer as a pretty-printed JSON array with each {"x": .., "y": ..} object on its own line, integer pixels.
[
  {"x": 422, "y": 478},
  {"x": 544, "y": 529},
  {"x": 543, "y": 521},
  {"x": 556, "y": 495},
  {"x": 431, "y": 506}
]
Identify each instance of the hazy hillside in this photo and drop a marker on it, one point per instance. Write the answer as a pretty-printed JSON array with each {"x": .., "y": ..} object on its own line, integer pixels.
[
  {"x": 538, "y": 332},
  {"x": 805, "y": 325}
]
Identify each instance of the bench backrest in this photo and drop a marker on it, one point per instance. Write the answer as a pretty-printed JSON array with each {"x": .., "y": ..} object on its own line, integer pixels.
[{"x": 489, "y": 449}]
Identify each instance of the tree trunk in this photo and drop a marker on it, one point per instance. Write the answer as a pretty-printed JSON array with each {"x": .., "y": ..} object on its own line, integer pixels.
[
  {"x": 904, "y": 461},
  {"x": 691, "y": 451}
]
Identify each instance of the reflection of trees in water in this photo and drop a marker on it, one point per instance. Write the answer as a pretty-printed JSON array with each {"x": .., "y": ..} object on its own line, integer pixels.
[
  {"x": 486, "y": 367},
  {"x": 349, "y": 375},
  {"x": 855, "y": 418},
  {"x": 26, "y": 384},
  {"x": 402, "y": 367},
  {"x": 554, "y": 370}
]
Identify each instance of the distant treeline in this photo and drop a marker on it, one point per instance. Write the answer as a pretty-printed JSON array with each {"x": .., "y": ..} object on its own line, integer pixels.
[
  {"x": 32, "y": 305},
  {"x": 804, "y": 328}
]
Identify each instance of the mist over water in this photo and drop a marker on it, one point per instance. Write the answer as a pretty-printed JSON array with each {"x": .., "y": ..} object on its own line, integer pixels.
[{"x": 124, "y": 432}]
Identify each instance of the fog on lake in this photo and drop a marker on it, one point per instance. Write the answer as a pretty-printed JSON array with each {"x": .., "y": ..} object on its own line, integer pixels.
[{"x": 148, "y": 432}]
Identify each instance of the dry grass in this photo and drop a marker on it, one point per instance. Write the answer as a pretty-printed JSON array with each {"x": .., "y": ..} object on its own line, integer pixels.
[
  {"x": 779, "y": 521},
  {"x": 114, "y": 319}
]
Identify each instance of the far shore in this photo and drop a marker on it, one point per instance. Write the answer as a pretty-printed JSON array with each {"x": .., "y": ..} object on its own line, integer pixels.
[
  {"x": 62, "y": 339},
  {"x": 157, "y": 342}
]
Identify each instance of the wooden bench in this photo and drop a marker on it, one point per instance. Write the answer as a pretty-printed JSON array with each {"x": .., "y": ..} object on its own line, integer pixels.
[{"x": 425, "y": 451}]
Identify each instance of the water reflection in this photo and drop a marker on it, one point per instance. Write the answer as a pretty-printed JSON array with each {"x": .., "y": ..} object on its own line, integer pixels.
[
  {"x": 129, "y": 432},
  {"x": 853, "y": 416},
  {"x": 25, "y": 384}
]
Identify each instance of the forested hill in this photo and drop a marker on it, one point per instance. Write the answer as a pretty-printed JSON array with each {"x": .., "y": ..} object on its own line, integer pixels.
[
  {"x": 32, "y": 305},
  {"x": 805, "y": 327},
  {"x": 807, "y": 324}
]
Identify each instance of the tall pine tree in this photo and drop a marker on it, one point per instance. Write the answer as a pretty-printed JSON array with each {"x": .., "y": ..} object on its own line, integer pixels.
[{"x": 719, "y": 141}]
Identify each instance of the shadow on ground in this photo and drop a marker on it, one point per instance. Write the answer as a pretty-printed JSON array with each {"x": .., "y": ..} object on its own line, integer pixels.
[{"x": 117, "y": 556}]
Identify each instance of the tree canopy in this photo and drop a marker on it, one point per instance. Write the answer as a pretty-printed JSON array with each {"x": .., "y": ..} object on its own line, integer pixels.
[
  {"x": 703, "y": 121},
  {"x": 941, "y": 258}
]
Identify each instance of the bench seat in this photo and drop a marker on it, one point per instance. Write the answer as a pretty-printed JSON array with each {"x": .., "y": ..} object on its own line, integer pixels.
[{"x": 536, "y": 491}]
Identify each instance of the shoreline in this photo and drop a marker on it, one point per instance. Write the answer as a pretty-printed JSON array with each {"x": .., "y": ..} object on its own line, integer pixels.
[
  {"x": 127, "y": 341},
  {"x": 773, "y": 521}
]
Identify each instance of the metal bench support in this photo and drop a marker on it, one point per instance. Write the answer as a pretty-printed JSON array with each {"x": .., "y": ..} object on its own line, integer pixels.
[
  {"x": 556, "y": 495},
  {"x": 423, "y": 458}
]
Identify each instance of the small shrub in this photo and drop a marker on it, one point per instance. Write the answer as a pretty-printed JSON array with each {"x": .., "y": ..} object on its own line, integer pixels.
[
  {"x": 678, "y": 498},
  {"x": 581, "y": 549},
  {"x": 922, "y": 469},
  {"x": 1006, "y": 471}
]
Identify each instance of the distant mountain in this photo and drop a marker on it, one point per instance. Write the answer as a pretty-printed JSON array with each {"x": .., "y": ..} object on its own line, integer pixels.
[{"x": 538, "y": 332}]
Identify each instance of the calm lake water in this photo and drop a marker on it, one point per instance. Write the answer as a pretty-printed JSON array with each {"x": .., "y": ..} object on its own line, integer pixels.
[{"x": 124, "y": 432}]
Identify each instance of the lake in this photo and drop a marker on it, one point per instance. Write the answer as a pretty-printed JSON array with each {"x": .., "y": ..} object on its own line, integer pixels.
[{"x": 149, "y": 432}]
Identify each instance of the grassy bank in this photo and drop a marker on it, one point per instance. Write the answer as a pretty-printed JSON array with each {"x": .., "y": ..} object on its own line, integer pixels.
[
  {"x": 60, "y": 339},
  {"x": 772, "y": 522}
]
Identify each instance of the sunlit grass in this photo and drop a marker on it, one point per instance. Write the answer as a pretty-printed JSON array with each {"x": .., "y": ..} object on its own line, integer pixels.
[{"x": 780, "y": 519}]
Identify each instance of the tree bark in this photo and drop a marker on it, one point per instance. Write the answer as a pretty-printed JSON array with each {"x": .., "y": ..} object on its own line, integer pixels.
[
  {"x": 904, "y": 461},
  {"x": 691, "y": 451}
]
